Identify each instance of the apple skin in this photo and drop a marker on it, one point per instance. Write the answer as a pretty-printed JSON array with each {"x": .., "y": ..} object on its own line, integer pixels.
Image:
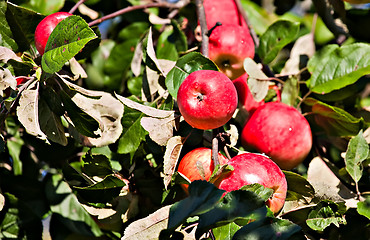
[
  {"x": 207, "y": 99},
  {"x": 229, "y": 45},
  {"x": 244, "y": 94},
  {"x": 281, "y": 132},
  {"x": 45, "y": 27},
  {"x": 223, "y": 11},
  {"x": 252, "y": 168},
  {"x": 188, "y": 165}
]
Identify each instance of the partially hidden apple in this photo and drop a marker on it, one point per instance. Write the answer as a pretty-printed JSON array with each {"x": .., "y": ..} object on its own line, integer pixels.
[
  {"x": 198, "y": 165},
  {"x": 45, "y": 27},
  {"x": 245, "y": 96},
  {"x": 224, "y": 12},
  {"x": 281, "y": 132},
  {"x": 229, "y": 45},
  {"x": 207, "y": 99},
  {"x": 252, "y": 168}
]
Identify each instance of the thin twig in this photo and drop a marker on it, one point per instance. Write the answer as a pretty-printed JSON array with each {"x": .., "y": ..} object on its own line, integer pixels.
[
  {"x": 215, "y": 151},
  {"x": 203, "y": 26},
  {"x": 137, "y": 7},
  {"x": 303, "y": 98},
  {"x": 74, "y": 8}
]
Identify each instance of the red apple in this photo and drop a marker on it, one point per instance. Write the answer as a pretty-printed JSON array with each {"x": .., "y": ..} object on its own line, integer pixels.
[
  {"x": 252, "y": 168},
  {"x": 207, "y": 99},
  {"x": 45, "y": 27},
  {"x": 223, "y": 11},
  {"x": 189, "y": 165},
  {"x": 229, "y": 45},
  {"x": 244, "y": 94},
  {"x": 281, "y": 132}
]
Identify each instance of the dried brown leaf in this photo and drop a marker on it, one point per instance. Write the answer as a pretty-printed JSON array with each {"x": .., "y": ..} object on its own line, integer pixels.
[
  {"x": 149, "y": 111},
  {"x": 171, "y": 157},
  {"x": 258, "y": 82},
  {"x": 160, "y": 129},
  {"x": 27, "y": 111},
  {"x": 6, "y": 80},
  {"x": 303, "y": 46},
  {"x": 103, "y": 107},
  {"x": 6, "y": 54},
  {"x": 327, "y": 185},
  {"x": 149, "y": 227}
]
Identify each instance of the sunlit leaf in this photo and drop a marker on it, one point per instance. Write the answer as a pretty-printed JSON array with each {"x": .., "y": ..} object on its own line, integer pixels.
[
  {"x": 335, "y": 67},
  {"x": 357, "y": 152},
  {"x": 277, "y": 36},
  {"x": 66, "y": 40},
  {"x": 326, "y": 213},
  {"x": 363, "y": 208},
  {"x": 334, "y": 120}
]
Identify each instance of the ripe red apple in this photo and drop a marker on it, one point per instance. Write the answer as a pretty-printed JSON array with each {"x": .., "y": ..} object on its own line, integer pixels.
[
  {"x": 223, "y": 11},
  {"x": 207, "y": 99},
  {"x": 45, "y": 27},
  {"x": 229, "y": 45},
  {"x": 281, "y": 132},
  {"x": 244, "y": 94},
  {"x": 252, "y": 168},
  {"x": 190, "y": 164}
]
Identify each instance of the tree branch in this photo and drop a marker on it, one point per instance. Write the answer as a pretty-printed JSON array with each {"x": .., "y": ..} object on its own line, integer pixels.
[
  {"x": 74, "y": 8},
  {"x": 203, "y": 26}
]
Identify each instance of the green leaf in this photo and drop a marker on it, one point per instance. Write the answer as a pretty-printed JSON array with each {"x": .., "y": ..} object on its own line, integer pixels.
[
  {"x": 171, "y": 42},
  {"x": 363, "y": 208},
  {"x": 96, "y": 165},
  {"x": 277, "y": 36},
  {"x": 290, "y": 91},
  {"x": 184, "y": 66},
  {"x": 6, "y": 35},
  {"x": 235, "y": 205},
  {"x": 326, "y": 213},
  {"x": 335, "y": 67},
  {"x": 202, "y": 197},
  {"x": 23, "y": 23},
  {"x": 14, "y": 147},
  {"x": 103, "y": 191},
  {"x": 298, "y": 187},
  {"x": 226, "y": 232},
  {"x": 133, "y": 133},
  {"x": 357, "y": 152},
  {"x": 65, "y": 205},
  {"x": 270, "y": 228},
  {"x": 66, "y": 40},
  {"x": 262, "y": 191},
  {"x": 46, "y": 7},
  {"x": 334, "y": 120},
  {"x": 51, "y": 124},
  {"x": 84, "y": 123}
]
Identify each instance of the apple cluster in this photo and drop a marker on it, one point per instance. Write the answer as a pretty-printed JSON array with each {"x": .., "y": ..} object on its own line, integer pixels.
[{"x": 279, "y": 133}]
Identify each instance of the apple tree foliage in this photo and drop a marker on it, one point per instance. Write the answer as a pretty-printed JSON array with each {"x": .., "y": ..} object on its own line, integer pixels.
[{"x": 90, "y": 134}]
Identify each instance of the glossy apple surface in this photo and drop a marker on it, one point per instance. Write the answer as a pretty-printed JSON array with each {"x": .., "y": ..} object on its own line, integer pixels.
[
  {"x": 207, "y": 99},
  {"x": 281, "y": 132},
  {"x": 244, "y": 94},
  {"x": 198, "y": 165},
  {"x": 229, "y": 45},
  {"x": 45, "y": 27},
  {"x": 223, "y": 11},
  {"x": 252, "y": 168}
]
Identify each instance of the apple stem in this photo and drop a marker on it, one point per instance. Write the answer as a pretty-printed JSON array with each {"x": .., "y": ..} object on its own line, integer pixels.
[
  {"x": 74, "y": 8},
  {"x": 203, "y": 26},
  {"x": 209, "y": 32}
]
